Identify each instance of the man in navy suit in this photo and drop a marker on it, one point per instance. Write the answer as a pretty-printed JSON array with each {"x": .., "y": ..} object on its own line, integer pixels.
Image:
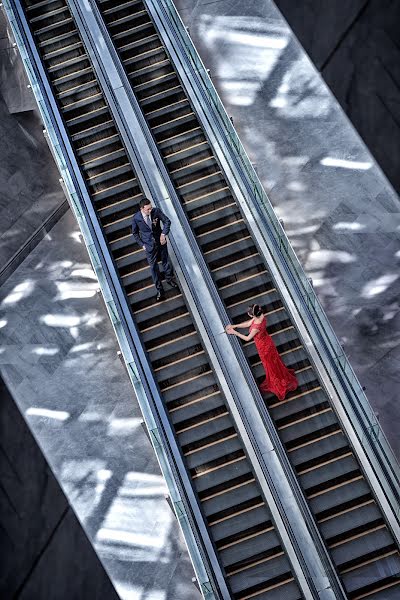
[{"x": 147, "y": 232}]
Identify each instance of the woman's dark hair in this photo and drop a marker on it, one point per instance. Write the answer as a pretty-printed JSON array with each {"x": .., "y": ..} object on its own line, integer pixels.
[
  {"x": 144, "y": 202},
  {"x": 255, "y": 310}
]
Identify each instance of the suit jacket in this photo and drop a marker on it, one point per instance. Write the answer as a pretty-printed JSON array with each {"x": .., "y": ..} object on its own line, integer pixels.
[{"x": 143, "y": 235}]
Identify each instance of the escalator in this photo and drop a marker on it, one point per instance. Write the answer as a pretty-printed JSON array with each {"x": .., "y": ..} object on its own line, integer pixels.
[
  {"x": 253, "y": 560},
  {"x": 349, "y": 519}
]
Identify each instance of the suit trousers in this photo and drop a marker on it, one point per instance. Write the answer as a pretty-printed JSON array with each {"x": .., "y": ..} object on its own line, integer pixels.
[{"x": 159, "y": 252}]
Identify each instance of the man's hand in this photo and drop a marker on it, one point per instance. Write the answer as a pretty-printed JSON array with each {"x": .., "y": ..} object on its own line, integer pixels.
[{"x": 163, "y": 239}]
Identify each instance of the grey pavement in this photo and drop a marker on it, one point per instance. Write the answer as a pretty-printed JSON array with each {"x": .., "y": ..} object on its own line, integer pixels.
[{"x": 340, "y": 213}]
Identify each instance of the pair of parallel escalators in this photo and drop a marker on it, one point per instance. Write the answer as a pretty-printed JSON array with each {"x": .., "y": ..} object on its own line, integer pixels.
[{"x": 253, "y": 560}]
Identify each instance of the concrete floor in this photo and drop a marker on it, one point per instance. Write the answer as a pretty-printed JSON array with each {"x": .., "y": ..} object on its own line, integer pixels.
[
  {"x": 58, "y": 358},
  {"x": 340, "y": 213}
]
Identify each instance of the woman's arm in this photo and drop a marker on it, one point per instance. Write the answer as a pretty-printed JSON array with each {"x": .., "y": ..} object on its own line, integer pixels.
[
  {"x": 245, "y": 338},
  {"x": 242, "y": 325}
]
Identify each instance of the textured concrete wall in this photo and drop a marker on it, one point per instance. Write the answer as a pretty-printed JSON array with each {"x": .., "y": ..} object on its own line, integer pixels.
[
  {"x": 355, "y": 46},
  {"x": 44, "y": 553}
]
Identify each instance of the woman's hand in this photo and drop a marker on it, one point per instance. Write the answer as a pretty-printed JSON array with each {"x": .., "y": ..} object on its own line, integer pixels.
[{"x": 229, "y": 329}]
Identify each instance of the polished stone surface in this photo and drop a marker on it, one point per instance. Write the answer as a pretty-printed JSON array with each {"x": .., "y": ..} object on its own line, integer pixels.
[
  {"x": 354, "y": 45},
  {"x": 58, "y": 355},
  {"x": 44, "y": 550},
  {"x": 29, "y": 179},
  {"x": 340, "y": 213}
]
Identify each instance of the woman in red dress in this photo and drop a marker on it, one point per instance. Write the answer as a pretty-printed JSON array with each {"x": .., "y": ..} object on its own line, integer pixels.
[{"x": 279, "y": 379}]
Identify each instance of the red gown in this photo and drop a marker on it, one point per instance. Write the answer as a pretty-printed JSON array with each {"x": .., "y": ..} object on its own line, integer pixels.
[{"x": 279, "y": 379}]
